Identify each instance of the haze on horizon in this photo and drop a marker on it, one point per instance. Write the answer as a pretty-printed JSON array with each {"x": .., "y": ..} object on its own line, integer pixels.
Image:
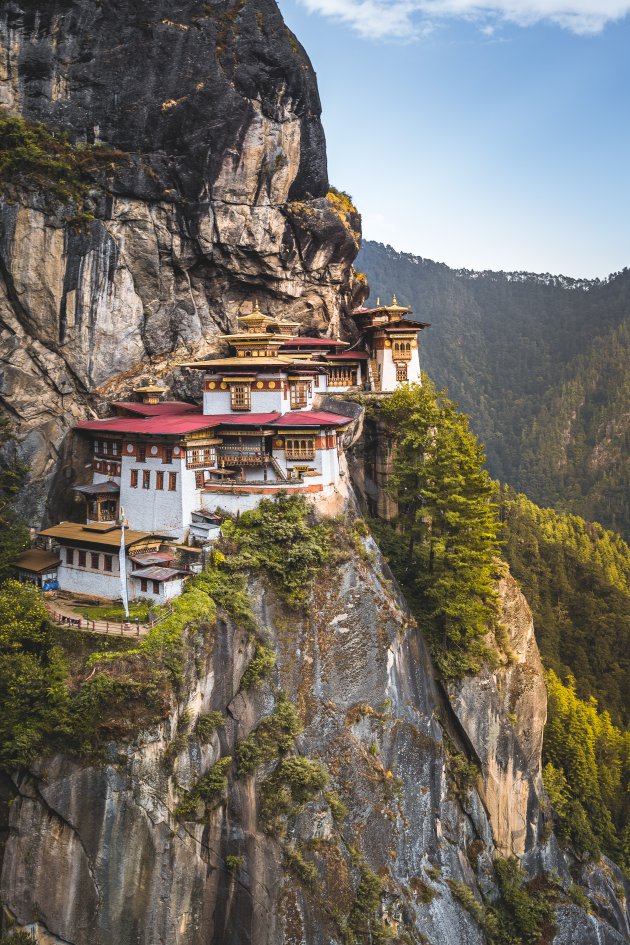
[{"x": 482, "y": 135}]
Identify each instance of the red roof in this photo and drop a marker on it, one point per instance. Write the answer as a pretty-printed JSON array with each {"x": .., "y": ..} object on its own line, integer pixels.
[
  {"x": 314, "y": 343},
  {"x": 178, "y": 425},
  {"x": 308, "y": 418},
  {"x": 169, "y": 424},
  {"x": 158, "y": 410}
]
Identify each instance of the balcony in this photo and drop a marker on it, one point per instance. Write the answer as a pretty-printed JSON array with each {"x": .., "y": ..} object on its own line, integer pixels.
[
  {"x": 202, "y": 463},
  {"x": 244, "y": 457},
  {"x": 300, "y": 454},
  {"x": 400, "y": 355}
]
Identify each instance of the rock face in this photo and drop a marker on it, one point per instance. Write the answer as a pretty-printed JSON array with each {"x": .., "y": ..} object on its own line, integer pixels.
[
  {"x": 217, "y": 194},
  {"x": 96, "y": 856}
]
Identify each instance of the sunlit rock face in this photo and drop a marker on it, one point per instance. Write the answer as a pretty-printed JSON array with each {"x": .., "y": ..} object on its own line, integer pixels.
[
  {"x": 216, "y": 194},
  {"x": 96, "y": 855}
]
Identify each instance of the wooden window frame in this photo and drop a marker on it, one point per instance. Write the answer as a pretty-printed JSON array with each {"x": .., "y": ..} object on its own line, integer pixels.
[
  {"x": 298, "y": 394},
  {"x": 241, "y": 397},
  {"x": 156, "y": 587},
  {"x": 108, "y": 563},
  {"x": 146, "y": 478},
  {"x": 70, "y": 556},
  {"x": 82, "y": 558},
  {"x": 95, "y": 557},
  {"x": 159, "y": 480},
  {"x": 144, "y": 585},
  {"x": 142, "y": 454},
  {"x": 133, "y": 479},
  {"x": 167, "y": 456},
  {"x": 172, "y": 482}
]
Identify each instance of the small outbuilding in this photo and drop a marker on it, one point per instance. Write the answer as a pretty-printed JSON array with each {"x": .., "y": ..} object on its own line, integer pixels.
[{"x": 39, "y": 567}]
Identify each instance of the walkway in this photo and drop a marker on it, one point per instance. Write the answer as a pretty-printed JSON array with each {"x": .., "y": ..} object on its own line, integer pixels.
[{"x": 64, "y": 615}]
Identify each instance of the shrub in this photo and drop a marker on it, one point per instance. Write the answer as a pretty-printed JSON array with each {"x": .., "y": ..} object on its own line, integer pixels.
[
  {"x": 207, "y": 789},
  {"x": 274, "y": 736},
  {"x": 206, "y": 726},
  {"x": 233, "y": 863},
  {"x": 259, "y": 667}
]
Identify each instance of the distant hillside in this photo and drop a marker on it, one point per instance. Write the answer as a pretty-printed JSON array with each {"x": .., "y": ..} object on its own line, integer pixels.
[{"x": 541, "y": 364}]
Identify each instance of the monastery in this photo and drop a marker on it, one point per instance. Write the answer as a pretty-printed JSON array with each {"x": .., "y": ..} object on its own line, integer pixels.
[{"x": 164, "y": 472}]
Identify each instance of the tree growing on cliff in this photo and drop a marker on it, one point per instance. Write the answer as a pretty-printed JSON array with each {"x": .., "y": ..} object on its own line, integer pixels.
[
  {"x": 14, "y": 536},
  {"x": 449, "y": 522}
]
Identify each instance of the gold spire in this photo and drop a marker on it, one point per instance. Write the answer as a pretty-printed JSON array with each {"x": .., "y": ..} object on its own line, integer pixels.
[
  {"x": 378, "y": 301},
  {"x": 394, "y": 302}
]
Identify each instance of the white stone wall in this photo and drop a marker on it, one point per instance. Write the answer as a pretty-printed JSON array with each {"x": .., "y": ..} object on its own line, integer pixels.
[
  {"x": 97, "y": 583},
  {"x": 168, "y": 590},
  {"x": 262, "y": 401},
  {"x": 155, "y": 510}
]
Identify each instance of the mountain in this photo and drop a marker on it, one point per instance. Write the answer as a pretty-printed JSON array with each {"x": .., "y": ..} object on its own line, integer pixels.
[
  {"x": 540, "y": 363},
  {"x": 160, "y": 163}
]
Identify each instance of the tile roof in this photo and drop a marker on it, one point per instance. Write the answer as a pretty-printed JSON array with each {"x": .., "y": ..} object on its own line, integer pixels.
[
  {"x": 36, "y": 560},
  {"x": 98, "y": 488},
  {"x": 157, "y": 574},
  {"x": 310, "y": 418},
  {"x": 109, "y": 537},
  {"x": 157, "y": 410}
]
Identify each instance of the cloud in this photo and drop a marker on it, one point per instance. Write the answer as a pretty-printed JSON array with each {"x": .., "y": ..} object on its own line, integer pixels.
[{"x": 408, "y": 19}]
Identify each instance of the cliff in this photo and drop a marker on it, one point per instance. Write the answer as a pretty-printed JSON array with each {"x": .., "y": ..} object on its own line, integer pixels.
[
  {"x": 422, "y": 793},
  {"x": 207, "y": 187}
]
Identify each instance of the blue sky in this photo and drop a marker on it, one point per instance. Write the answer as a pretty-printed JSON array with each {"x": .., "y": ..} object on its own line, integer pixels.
[{"x": 484, "y": 136}]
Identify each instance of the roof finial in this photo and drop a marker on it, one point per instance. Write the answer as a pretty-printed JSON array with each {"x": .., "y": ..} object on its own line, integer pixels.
[
  {"x": 378, "y": 301},
  {"x": 394, "y": 302},
  {"x": 256, "y": 309}
]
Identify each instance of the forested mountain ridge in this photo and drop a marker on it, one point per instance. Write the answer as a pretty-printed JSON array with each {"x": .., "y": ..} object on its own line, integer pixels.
[{"x": 539, "y": 362}]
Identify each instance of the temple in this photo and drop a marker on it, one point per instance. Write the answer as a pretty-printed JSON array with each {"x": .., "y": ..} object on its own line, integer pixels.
[{"x": 175, "y": 468}]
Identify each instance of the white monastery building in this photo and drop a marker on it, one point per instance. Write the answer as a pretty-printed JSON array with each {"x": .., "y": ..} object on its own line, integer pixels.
[{"x": 172, "y": 466}]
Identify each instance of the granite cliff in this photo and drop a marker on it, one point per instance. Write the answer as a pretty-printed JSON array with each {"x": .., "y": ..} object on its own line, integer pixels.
[
  {"x": 426, "y": 788},
  {"x": 214, "y": 190}
]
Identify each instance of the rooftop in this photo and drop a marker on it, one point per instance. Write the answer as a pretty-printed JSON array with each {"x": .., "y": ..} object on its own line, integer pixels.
[
  {"x": 36, "y": 560},
  {"x": 105, "y": 535},
  {"x": 157, "y": 410}
]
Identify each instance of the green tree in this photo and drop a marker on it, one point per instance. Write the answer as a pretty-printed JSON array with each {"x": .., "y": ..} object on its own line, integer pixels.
[
  {"x": 14, "y": 535},
  {"x": 449, "y": 522},
  {"x": 33, "y": 691}
]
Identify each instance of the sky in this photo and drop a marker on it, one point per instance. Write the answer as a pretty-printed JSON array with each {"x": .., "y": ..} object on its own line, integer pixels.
[{"x": 483, "y": 135}]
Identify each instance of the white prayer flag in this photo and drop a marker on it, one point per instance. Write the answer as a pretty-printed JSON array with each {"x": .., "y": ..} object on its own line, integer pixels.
[{"x": 122, "y": 558}]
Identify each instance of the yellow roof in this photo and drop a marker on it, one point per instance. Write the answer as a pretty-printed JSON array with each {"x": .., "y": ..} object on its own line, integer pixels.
[
  {"x": 281, "y": 361},
  {"x": 98, "y": 534}
]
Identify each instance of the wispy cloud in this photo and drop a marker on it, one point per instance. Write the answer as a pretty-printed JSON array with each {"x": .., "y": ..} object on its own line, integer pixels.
[{"x": 408, "y": 19}]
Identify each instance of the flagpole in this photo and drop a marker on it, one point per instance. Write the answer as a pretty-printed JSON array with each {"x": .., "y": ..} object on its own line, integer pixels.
[{"x": 122, "y": 558}]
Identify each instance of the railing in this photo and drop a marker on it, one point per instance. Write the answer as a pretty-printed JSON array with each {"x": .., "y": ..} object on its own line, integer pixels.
[
  {"x": 399, "y": 355},
  {"x": 345, "y": 380},
  {"x": 245, "y": 458},
  {"x": 201, "y": 464},
  {"x": 299, "y": 454},
  {"x": 107, "y": 626}
]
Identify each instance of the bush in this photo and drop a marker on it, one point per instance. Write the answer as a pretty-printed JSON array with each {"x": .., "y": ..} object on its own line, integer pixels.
[
  {"x": 274, "y": 736},
  {"x": 206, "y": 726},
  {"x": 259, "y": 667},
  {"x": 209, "y": 788}
]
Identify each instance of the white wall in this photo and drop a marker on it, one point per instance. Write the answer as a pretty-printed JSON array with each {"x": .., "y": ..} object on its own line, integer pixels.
[
  {"x": 154, "y": 510},
  {"x": 168, "y": 590},
  {"x": 87, "y": 581}
]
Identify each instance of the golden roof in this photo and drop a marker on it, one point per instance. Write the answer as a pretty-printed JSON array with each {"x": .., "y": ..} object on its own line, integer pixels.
[{"x": 103, "y": 533}]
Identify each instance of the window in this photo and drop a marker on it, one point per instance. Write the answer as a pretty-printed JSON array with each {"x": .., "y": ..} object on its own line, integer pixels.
[
  {"x": 172, "y": 482},
  {"x": 240, "y": 396},
  {"x": 159, "y": 480},
  {"x": 69, "y": 555},
  {"x": 107, "y": 563},
  {"x": 146, "y": 479},
  {"x": 156, "y": 587},
  {"x": 168, "y": 454},
  {"x": 299, "y": 394},
  {"x": 116, "y": 448},
  {"x": 134, "y": 478},
  {"x": 142, "y": 454},
  {"x": 199, "y": 480},
  {"x": 105, "y": 447},
  {"x": 94, "y": 561},
  {"x": 401, "y": 372},
  {"x": 299, "y": 448},
  {"x": 82, "y": 559},
  {"x": 144, "y": 585}
]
